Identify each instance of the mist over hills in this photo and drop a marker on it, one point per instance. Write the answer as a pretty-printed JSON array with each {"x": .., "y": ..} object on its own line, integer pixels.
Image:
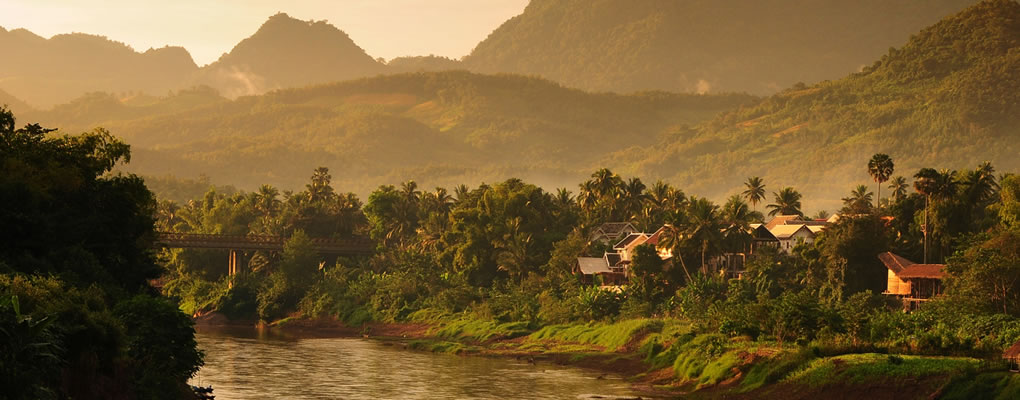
[
  {"x": 287, "y": 52},
  {"x": 759, "y": 47},
  {"x": 602, "y": 45},
  {"x": 949, "y": 98},
  {"x": 439, "y": 128}
]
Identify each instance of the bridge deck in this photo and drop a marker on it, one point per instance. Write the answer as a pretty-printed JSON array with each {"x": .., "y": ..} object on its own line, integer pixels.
[{"x": 356, "y": 246}]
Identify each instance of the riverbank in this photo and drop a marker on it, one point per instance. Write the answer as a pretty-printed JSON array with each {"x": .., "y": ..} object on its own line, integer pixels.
[{"x": 664, "y": 358}]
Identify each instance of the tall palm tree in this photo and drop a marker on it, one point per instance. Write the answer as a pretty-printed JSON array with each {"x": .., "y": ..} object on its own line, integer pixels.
[
  {"x": 737, "y": 219},
  {"x": 634, "y": 198},
  {"x": 898, "y": 186},
  {"x": 926, "y": 182},
  {"x": 705, "y": 225},
  {"x": 673, "y": 235},
  {"x": 563, "y": 198},
  {"x": 880, "y": 168},
  {"x": 755, "y": 192},
  {"x": 319, "y": 188},
  {"x": 787, "y": 202},
  {"x": 980, "y": 185}
]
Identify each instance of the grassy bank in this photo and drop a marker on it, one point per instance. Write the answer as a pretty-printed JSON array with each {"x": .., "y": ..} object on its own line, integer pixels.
[{"x": 666, "y": 356}]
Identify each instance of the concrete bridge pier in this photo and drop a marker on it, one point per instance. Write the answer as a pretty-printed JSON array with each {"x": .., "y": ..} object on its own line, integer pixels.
[{"x": 231, "y": 267}]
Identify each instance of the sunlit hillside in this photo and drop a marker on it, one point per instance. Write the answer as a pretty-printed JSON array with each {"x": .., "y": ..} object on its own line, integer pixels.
[
  {"x": 758, "y": 47},
  {"x": 437, "y": 128},
  {"x": 950, "y": 98}
]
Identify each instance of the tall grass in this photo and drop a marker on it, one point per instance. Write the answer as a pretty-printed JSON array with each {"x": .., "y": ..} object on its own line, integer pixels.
[{"x": 612, "y": 337}]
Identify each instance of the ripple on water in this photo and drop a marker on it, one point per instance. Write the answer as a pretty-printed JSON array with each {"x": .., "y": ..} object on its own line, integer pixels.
[{"x": 241, "y": 365}]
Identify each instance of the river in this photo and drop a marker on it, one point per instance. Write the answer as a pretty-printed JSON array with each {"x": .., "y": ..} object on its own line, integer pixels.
[{"x": 246, "y": 364}]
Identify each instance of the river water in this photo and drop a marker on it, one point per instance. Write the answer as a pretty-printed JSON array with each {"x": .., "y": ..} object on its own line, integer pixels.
[{"x": 245, "y": 364}]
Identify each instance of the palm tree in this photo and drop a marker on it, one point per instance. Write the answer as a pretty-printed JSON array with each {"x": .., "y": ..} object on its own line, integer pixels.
[
  {"x": 563, "y": 198},
  {"x": 319, "y": 188},
  {"x": 980, "y": 185},
  {"x": 410, "y": 191},
  {"x": 512, "y": 250},
  {"x": 266, "y": 201},
  {"x": 787, "y": 202},
  {"x": 737, "y": 219},
  {"x": 880, "y": 168},
  {"x": 755, "y": 192},
  {"x": 899, "y": 186},
  {"x": 462, "y": 192},
  {"x": 673, "y": 235},
  {"x": 926, "y": 182},
  {"x": 859, "y": 201},
  {"x": 705, "y": 225},
  {"x": 634, "y": 197}
]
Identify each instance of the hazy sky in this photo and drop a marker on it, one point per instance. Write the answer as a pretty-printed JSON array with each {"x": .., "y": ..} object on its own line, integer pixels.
[{"x": 209, "y": 28}]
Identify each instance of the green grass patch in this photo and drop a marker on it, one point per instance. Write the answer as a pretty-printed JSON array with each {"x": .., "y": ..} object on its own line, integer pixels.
[
  {"x": 859, "y": 368},
  {"x": 479, "y": 330},
  {"x": 441, "y": 346},
  {"x": 774, "y": 369},
  {"x": 1001, "y": 385},
  {"x": 609, "y": 336}
]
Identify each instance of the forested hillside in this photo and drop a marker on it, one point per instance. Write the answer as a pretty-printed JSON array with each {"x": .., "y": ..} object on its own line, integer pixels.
[
  {"x": 441, "y": 128},
  {"x": 948, "y": 98},
  {"x": 44, "y": 72},
  {"x": 759, "y": 47}
]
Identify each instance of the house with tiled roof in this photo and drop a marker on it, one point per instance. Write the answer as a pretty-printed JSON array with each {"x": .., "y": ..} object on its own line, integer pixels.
[
  {"x": 912, "y": 282},
  {"x": 612, "y": 232}
]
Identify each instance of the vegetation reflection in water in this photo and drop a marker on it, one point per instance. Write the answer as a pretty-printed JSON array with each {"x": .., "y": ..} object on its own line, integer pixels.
[{"x": 244, "y": 364}]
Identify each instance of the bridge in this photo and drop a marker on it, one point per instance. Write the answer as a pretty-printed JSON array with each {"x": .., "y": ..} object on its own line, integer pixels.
[{"x": 234, "y": 243}]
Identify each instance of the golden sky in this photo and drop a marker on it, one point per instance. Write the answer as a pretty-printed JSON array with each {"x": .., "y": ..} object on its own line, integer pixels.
[{"x": 209, "y": 28}]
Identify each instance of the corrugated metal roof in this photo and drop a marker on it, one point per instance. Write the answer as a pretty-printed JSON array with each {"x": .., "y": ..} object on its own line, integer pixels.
[
  {"x": 786, "y": 231},
  {"x": 592, "y": 265},
  {"x": 928, "y": 271},
  {"x": 628, "y": 240}
]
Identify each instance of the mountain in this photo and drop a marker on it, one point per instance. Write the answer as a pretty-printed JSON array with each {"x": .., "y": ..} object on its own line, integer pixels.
[
  {"x": 287, "y": 52},
  {"x": 439, "y": 128},
  {"x": 949, "y": 98},
  {"x": 757, "y": 47},
  {"x": 13, "y": 103},
  {"x": 43, "y": 72}
]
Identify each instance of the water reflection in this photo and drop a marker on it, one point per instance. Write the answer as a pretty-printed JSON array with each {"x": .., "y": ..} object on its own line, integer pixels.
[{"x": 244, "y": 364}]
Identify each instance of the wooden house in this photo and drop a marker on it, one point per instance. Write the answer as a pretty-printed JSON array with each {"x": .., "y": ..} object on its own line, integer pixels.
[{"x": 912, "y": 282}]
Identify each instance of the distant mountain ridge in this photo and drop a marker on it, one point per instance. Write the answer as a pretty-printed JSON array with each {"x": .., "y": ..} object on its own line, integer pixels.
[
  {"x": 759, "y": 47},
  {"x": 601, "y": 45},
  {"x": 285, "y": 53},
  {"x": 49, "y": 71}
]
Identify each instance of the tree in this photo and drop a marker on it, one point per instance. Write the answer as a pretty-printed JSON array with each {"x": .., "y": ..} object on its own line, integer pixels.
[
  {"x": 859, "y": 201},
  {"x": 755, "y": 192},
  {"x": 736, "y": 221},
  {"x": 787, "y": 202},
  {"x": 986, "y": 275},
  {"x": 898, "y": 186},
  {"x": 319, "y": 188},
  {"x": 704, "y": 226},
  {"x": 880, "y": 167}
]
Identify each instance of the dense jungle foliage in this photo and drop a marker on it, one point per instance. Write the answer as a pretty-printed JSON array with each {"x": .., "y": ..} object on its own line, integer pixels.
[
  {"x": 504, "y": 255},
  {"x": 78, "y": 318}
]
